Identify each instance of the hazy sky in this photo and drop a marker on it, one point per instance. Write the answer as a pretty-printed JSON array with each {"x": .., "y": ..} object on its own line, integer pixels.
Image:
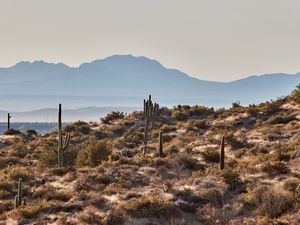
[{"x": 213, "y": 40}]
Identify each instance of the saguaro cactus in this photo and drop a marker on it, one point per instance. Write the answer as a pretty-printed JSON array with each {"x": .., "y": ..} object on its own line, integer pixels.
[
  {"x": 8, "y": 121},
  {"x": 222, "y": 153},
  {"x": 59, "y": 118},
  {"x": 63, "y": 143},
  {"x": 18, "y": 198},
  {"x": 150, "y": 112},
  {"x": 161, "y": 151}
]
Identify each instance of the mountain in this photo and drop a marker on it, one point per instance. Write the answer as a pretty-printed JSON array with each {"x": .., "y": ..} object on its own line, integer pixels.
[{"x": 124, "y": 80}]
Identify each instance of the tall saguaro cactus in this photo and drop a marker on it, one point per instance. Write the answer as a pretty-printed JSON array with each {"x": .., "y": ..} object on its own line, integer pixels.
[
  {"x": 150, "y": 112},
  {"x": 161, "y": 150},
  {"x": 63, "y": 143},
  {"x": 222, "y": 153},
  {"x": 8, "y": 121},
  {"x": 59, "y": 118}
]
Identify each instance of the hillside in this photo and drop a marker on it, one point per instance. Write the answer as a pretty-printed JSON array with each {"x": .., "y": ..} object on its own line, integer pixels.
[
  {"x": 106, "y": 179},
  {"x": 127, "y": 78}
]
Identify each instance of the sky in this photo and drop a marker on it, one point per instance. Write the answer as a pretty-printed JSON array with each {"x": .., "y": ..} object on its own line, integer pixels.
[{"x": 208, "y": 39}]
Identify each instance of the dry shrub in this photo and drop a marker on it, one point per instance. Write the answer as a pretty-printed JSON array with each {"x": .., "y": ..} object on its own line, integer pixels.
[
  {"x": 19, "y": 150},
  {"x": 269, "y": 201},
  {"x": 17, "y": 172},
  {"x": 91, "y": 218},
  {"x": 230, "y": 177},
  {"x": 275, "y": 167},
  {"x": 149, "y": 206},
  {"x": 211, "y": 155},
  {"x": 180, "y": 115},
  {"x": 32, "y": 211},
  {"x": 212, "y": 196},
  {"x": 290, "y": 184},
  {"x": 93, "y": 155}
]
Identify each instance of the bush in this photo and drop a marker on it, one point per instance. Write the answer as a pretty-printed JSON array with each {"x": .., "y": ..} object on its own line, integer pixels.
[
  {"x": 211, "y": 155},
  {"x": 230, "y": 177},
  {"x": 275, "y": 167},
  {"x": 290, "y": 184},
  {"x": 94, "y": 154},
  {"x": 180, "y": 115},
  {"x": 281, "y": 119},
  {"x": 12, "y": 132},
  {"x": 15, "y": 173},
  {"x": 112, "y": 116},
  {"x": 149, "y": 206},
  {"x": 273, "y": 202},
  {"x": 19, "y": 150},
  {"x": 47, "y": 154}
]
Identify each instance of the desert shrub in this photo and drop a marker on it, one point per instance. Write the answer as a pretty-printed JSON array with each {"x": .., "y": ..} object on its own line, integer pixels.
[
  {"x": 84, "y": 129},
  {"x": 31, "y": 132},
  {"x": 200, "y": 111},
  {"x": 6, "y": 186},
  {"x": 211, "y": 155},
  {"x": 290, "y": 184},
  {"x": 230, "y": 177},
  {"x": 32, "y": 211},
  {"x": 91, "y": 218},
  {"x": 149, "y": 206},
  {"x": 212, "y": 196},
  {"x": 187, "y": 162},
  {"x": 17, "y": 172},
  {"x": 180, "y": 115},
  {"x": 93, "y": 154},
  {"x": 236, "y": 104},
  {"x": 295, "y": 96},
  {"x": 168, "y": 128},
  {"x": 282, "y": 119},
  {"x": 115, "y": 217},
  {"x": 12, "y": 132},
  {"x": 135, "y": 138},
  {"x": 47, "y": 154},
  {"x": 272, "y": 202},
  {"x": 270, "y": 108},
  {"x": 112, "y": 116},
  {"x": 199, "y": 124},
  {"x": 19, "y": 150},
  {"x": 233, "y": 141},
  {"x": 275, "y": 167},
  {"x": 6, "y": 206}
]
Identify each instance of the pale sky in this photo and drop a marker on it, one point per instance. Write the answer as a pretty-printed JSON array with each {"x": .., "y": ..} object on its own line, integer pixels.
[{"x": 219, "y": 40}]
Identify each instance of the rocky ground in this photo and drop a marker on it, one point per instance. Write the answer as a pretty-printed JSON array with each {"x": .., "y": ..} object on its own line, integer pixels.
[{"x": 107, "y": 180}]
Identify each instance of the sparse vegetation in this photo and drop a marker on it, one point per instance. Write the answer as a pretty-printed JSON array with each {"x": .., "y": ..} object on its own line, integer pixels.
[{"x": 188, "y": 175}]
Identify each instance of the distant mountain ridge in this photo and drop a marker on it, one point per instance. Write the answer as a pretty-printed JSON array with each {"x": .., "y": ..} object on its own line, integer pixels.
[{"x": 128, "y": 77}]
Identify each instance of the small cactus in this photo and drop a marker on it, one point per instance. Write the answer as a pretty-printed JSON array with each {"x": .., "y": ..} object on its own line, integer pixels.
[
  {"x": 222, "y": 153},
  {"x": 161, "y": 151}
]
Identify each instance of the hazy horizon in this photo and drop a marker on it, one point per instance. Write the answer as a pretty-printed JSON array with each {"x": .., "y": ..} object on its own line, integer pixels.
[{"x": 210, "y": 40}]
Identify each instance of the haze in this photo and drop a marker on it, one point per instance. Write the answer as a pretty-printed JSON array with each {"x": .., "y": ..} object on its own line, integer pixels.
[{"x": 211, "y": 40}]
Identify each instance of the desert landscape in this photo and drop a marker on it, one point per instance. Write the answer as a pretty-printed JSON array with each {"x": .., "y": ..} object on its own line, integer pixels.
[{"x": 197, "y": 166}]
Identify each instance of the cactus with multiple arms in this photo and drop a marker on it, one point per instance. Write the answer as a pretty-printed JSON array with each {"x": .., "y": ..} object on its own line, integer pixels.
[
  {"x": 63, "y": 143},
  {"x": 150, "y": 112},
  {"x": 222, "y": 153}
]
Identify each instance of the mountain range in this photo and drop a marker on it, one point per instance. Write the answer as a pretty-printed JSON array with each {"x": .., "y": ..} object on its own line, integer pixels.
[{"x": 125, "y": 80}]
